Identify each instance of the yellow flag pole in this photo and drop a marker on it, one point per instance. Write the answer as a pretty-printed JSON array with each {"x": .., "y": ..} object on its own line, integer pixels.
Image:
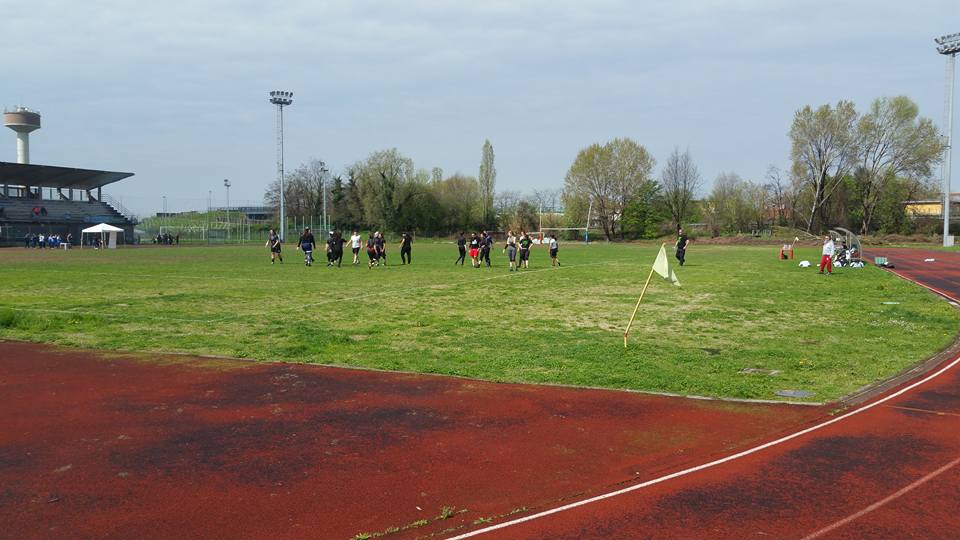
[{"x": 629, "y": 324}]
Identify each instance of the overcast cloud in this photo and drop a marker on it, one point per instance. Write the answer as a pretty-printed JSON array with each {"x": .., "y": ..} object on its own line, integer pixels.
[{"x": 176, "y": 92}]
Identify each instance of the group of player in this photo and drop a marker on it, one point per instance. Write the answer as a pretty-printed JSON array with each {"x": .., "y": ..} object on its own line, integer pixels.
[
  {"x": 376, "y": 248},
  {"x": 481, "y": 243}
]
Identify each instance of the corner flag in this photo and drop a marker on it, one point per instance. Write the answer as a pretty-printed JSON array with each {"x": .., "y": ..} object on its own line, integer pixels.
[{"x": 662, "y": 267}]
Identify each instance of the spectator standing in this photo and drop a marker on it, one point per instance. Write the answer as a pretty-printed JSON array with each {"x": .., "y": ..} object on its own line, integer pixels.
[
  {"x": 462, "y": 248},
  {"x": 405, "y": 241},
  {"x": 682, "y": 242},
  {"x": 826, "y": 257}
]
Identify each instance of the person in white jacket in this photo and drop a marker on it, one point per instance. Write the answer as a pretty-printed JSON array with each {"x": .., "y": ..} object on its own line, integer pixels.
[{"x": 826, "y": 259}]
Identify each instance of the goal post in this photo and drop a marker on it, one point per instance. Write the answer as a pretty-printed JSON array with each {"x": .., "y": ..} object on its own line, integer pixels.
[{"x": 574, "y": 233}]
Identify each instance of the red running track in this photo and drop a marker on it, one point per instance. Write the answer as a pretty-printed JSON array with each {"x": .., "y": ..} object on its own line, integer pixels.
[
  {"x": 95, "y": 445},
  {"x": 888, "y": 470}
]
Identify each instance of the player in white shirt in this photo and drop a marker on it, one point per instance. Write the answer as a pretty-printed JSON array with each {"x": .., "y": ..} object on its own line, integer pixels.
[
  {"x": 510, "y": 248},
  {"x": 826, "y": 259},
  {"x": 355, "y": 242},
  {"x": 554, "y": 248}
]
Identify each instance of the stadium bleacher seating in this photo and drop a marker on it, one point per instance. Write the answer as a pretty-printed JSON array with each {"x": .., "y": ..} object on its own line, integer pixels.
[{"x": 62, "y": 211}]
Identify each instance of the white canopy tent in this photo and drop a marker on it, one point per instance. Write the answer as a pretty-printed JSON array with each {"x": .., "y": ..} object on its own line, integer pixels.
[{"x": 108, "y": 235}]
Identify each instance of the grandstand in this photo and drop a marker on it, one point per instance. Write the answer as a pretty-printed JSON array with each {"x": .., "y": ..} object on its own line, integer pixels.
[{"x": 45, "y": 199}]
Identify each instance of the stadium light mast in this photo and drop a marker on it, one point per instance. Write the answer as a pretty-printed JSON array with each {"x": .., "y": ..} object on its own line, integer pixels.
[
  {"x": 949, "y": 46},
  {"x": 281, "y": 98},
  {"x": 323, "y": 178},
  {"x": 226, "y": 184}
]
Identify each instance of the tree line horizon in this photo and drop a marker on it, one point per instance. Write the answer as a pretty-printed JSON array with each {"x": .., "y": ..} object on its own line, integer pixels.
[{"x": 847, "y": 169}]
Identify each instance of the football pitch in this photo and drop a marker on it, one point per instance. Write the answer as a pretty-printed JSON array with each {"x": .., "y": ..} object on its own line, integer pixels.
[{"x": 739, "y": 308}]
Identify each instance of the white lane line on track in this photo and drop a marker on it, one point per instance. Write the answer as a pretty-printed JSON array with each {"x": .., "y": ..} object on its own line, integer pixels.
[
  {"x": 883, "y": 502},
  {"x": 714, "y": 463},
  {"x": 953, "y": 301}
]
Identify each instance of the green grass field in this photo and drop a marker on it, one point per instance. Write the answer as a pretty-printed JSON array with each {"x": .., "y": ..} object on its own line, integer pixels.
[{"x": 739, "y": 307}]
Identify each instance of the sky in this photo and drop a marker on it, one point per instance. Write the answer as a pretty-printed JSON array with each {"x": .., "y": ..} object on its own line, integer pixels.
[{"x": 177, "y": 91}]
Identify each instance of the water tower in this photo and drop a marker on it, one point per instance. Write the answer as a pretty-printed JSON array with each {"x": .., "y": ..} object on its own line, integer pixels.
[{"x": 23, "y": 121}]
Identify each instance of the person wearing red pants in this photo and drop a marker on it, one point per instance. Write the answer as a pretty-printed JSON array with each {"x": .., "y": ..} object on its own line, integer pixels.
[{"x": 826, "y": 259}]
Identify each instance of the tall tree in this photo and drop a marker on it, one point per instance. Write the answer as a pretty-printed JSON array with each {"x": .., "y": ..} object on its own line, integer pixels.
[
  {"x": 488, "y": 181},
  {"x": 610, "y": 176},
  {"x": 893, "y": 141},
  {"x": 645, "y": 213},
  {"x": 680, "y": 181},
  {"x": 456, "y": 196},
  {"x": 823, "y": 149},
  {"x": 381, "y": 178}
]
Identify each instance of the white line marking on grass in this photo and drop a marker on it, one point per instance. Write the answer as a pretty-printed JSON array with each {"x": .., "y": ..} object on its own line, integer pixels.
[
  {"x": 883, "y": 502},
  {"x": 451, "y": 285},
  {"x": 296, "y": 308},
  {"x": 711, "y": 464},
  {"x": 120, "y": 274}
]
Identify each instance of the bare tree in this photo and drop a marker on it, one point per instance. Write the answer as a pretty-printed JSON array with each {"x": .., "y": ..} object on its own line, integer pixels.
[
  {"x": 779, "y": 194},
  {"x": 893, "y": 142},
  {"x": 680, "y": 180},
  {"x": 303, "y": 190},
  {"x": 758, "y": 197},
  {"x": 823, "y": 151}
]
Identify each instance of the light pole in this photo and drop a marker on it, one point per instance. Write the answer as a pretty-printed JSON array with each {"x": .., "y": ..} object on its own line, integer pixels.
[
  {"x": 949, "y": 46},
  {"x": 164, "y": 210},
  {"x": 281, "y": 98},
  {"x": 323, "y": 184},
  {"x": 226, "y": 184}
]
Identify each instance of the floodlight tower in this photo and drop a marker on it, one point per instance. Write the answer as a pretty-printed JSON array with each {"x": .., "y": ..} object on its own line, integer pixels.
[
  {"x": 23, "y": 121},
  {"x": 226, "y": 184},
  {"x": 948, "y": 46},
  {"x": 281, "y": 98}
]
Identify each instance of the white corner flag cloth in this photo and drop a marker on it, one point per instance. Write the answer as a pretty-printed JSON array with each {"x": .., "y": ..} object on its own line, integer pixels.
[{"x": 662, "y": 267}]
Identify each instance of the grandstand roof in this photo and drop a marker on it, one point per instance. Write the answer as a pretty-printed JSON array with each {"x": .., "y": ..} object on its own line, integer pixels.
[{"x": 48, "y": 176}]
